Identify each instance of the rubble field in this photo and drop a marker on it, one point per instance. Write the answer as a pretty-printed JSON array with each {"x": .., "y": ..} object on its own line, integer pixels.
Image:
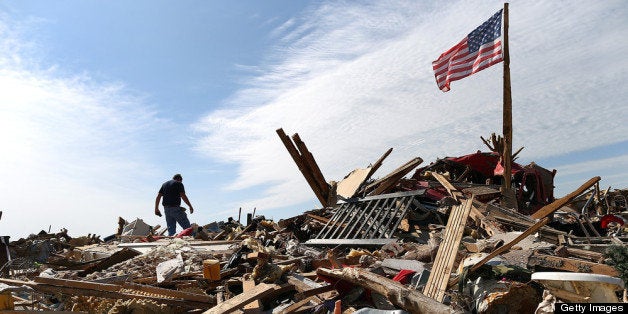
[{"x": 446, "y": 237}]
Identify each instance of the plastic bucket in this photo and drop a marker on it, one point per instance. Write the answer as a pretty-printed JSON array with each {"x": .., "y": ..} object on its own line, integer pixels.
[{"x": 211, "y": 269}]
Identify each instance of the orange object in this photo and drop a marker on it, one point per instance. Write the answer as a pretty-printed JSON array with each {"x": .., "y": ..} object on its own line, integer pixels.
[
  {"x": 6, "y": 301},
  {"x": 211, "y": 269},
  {"x": 338, "y": 307}
]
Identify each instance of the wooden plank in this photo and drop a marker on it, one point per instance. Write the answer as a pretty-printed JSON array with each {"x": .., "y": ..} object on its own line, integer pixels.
[
  {"x": 241, "y": 299},
  {"x": 295, "y": 306},
  {"x": 379, "y": 181},
  {"x": 384, "y": 184},
  {"x": 564, "y": 251},
  {"x": 475, "y": 214},
  {"x": 255, "y": 306},
  {"x": 101, "y": 290},
  {"x": 398, "y": 294},
  {"x": 117, "y": 257},
  {"x": 455, "y": 193},
  {"x": 505, "y": 247},
  {"x": 167, "y": 292},
  {"x": 447, "y": 251},
  {"x": 313, "y": 292},
  {"x": 312, "y": 165},
  {"x": 348, "y": 186},
  {"x": 78, "y": 284},
  {"x": 137, "y": 288},
  {"x": 510, "y": 244},
  {"x": 302, "y": 284},
  {"x": 379, "y": 163},
  {"x": 300, "y": 162},
  {"x": 554, "y": 206},
  {"x": 571, "y": 265}
]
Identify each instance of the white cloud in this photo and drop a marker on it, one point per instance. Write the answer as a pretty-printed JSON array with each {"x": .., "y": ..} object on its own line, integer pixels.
[
  {"x": 354, "y": 79},
  {"x": 611, "y": 170},
  {"x": 72, "y": 153}
]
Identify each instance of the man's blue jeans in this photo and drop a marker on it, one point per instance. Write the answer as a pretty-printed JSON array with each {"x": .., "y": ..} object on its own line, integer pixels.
[{"x": 176, "y": 215}]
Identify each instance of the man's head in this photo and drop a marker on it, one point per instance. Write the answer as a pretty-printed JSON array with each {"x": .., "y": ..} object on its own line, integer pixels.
[{"x": 177, "y": 177}]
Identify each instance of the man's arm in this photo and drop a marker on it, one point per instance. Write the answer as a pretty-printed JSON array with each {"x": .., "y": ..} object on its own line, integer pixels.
[
  {"x": 187, "y": 201},
  {"x": 157, "y": 199}
]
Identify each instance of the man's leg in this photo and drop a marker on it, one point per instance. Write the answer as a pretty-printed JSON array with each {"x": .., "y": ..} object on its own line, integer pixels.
[
  {"x": 182, "y": 219},
  {"x": 171, "y": 220}
]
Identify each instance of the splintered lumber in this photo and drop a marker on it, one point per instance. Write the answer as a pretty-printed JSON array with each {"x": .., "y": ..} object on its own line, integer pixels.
[
  {"x": 110, "y": 291},
  {"x": 352, "y": 182},
  {"x": 447, "y": 251},
  {"x": 386, "y": 183},
  {"x": 303, "y": 162},
  {"x": 255, "y": 306},
  {"x": 505, "y": 247},
  {"x": 398, "y": 294},
  {"x": 311, "y": 163},
  {"x": 319, "y": 218},
  {"x": 475, "y": 214},
  {"x": 129, "y": 288},
  {"x": 542, "y": 213},
  {"x": 260, "y": 291},
  {"x": 379, "y": 163},
  {"x": 564, "y": 251},
  {"x": 510, "y": 244},
  {"x": 117, "y": 257},
  {"x": 313, "y": 292},
  {"x": 294, "y": 307},
  {"x": 554, "y": 206},
  {"x": 455, "y": 193},
  {"x": 571, "y": 265}
]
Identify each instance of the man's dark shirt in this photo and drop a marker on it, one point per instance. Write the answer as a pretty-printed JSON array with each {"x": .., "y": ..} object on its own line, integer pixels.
[{"x": 171, "y": 191}]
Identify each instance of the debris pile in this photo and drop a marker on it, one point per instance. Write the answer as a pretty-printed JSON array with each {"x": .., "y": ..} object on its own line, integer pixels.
[{"x": 442, "y": 238}]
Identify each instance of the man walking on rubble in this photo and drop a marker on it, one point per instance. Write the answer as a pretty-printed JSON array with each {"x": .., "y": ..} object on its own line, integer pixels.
[{"x": 173, "y": 191}]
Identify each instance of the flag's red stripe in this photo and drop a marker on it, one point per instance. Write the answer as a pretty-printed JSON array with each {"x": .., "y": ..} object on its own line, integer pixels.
[
  {"x": 464, "y": 57},
  {"x": 454, "y": 76},
  {"x": 471, "y": 65},
  {"x": 460, "y": 75},
  {"x": 457, "y": 63}
]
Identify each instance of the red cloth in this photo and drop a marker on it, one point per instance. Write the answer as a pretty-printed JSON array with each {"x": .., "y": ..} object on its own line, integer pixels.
[
  {"x": 187, "y": 232},
  {"x": 610, "y": 218},
  {"x": 404, "y": 276},
  {"x": 150, "y": 238}
]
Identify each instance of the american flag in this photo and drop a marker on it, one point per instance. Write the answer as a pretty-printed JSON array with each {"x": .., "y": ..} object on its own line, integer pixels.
[{"x": 478, "y": 51}]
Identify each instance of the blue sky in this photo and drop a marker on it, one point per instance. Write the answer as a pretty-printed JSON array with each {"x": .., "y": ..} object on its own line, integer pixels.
[{"x": 104, "y": 100}]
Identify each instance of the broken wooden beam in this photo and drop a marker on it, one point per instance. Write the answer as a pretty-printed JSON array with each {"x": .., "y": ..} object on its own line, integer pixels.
[
  {"x": 489, "y": 227},
  {"x": 504, "y": 248},
  {"x": 302, "y": 164},
  {"x": 313, "y": 292},
  {"x": 239, "y": 301},
  {"x": 384, "y": 184},
  {"x": 110, "y": 291},
  {"x": 564, "y": 251},
  {"x": 555, "y": 205},
  {"x": 309, "y": 160},
  {"x": 255, "y": 306},
  {"x": 378, "y": 163},
  {"x": 571, "y": 265},
  {"x": 294, "y": 307},
  {"x": 398, "y": 294},
  {"x": 542, "y": 213},
  {"x": 117, "y": 257}
]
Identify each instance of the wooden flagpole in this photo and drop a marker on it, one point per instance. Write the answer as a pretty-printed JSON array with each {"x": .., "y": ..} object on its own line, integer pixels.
[{"x": 507, "y": 118}]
